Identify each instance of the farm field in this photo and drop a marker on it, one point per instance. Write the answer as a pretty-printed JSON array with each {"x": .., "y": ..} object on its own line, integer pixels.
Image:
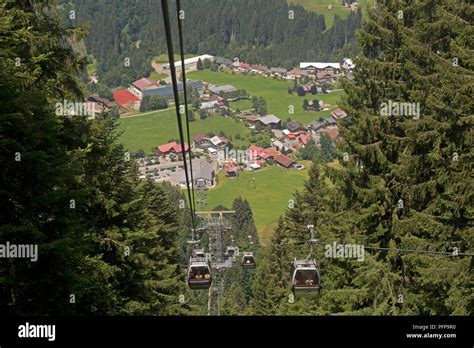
[
  {"x": 147, "y": 131},
  {"x": 268, "y": 198},
  {"x": 275, "y": 93}
]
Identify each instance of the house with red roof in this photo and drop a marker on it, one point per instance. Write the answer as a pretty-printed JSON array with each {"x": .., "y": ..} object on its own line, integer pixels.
[
  {"x": 333, "y": 132},
  {"x": 126, "y": 99},
  {"x": 219, "y": 99},
  {"x": 266, "y": 154},
  {"x": 170, "y": 148},
  {"x": 201, "y": 141},
  {"x": 244, "y": 67},
  {"x": 253, "y": 152},
  {"x": 257, "y": 68},
  {"x": 140, "y": 85},
  {"x": 303, "y": 139},
  {"x": 284, "y": 161}
]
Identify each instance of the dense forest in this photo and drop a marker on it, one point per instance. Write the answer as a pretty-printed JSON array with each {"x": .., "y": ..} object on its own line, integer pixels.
[
  {"x": 112, "y": 244},
  {"x": 269, "y": 32}
]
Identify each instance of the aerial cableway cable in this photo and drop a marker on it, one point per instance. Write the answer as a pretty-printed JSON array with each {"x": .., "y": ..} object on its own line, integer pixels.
[
  {"x": 183, "y": 70},
  {"x": 169, "y": 44}
]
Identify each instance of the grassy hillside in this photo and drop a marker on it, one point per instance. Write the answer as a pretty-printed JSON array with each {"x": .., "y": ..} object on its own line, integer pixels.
[{"x": 321, "y": 6}]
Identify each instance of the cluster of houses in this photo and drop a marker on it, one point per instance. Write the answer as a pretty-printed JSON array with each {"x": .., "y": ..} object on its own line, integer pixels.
[
  {"x": 295, "y": 135},
  {"x": 285, "y": 143},
  {"x": 320, "y": 71},
  {"x": 202, "y": 143},
  {"x": 129, "y": 99}
]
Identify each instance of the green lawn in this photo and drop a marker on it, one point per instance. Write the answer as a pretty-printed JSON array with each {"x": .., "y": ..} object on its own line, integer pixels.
[
  {"x": 321, "y": 6},
  {"x": 274, "y": 187},
  {"x": 145, "y": 132},
  {"x": 275, "y": 93},
  {"x": 243, "y": 104},
  {"x": 156, "y": 76}
]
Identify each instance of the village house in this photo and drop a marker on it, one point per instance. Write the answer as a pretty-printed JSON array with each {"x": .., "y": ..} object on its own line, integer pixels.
[
  {"x": 270, "y": 120},
  {"x": 100, "y": 104},
  {"x": 296, "y": 73},
  {"x": 281, "y": 147},
  {"x": 211, "y": 144},
  {"x": 303, "y": 139},
  {"x": 249, "y": 119},
  {"x": 338, "y": 114},
  {"x": 172, "y": 148},
  {"x": 210, "y": 106},
  {"x": 242, "y": 68},
  {"x": 224, "y": 63},
  {"x": 317, "y": 126},
  {"x": 278, "y": 133},
  {"x": 217, "y": 98},
  {"x": 201, "y": 141},
  {"x": 221, "y": 89},
  {"x": 203, "y": 171},
  {"x": 140, "y": 85},
  {"x": 295, "y": 127},
  {"x": 284, "y": 161},
  {"x": 220, "y": 142},
  {"x": 347, "y": 64},
  {"x": 326, "y": 77},
  {"x": 259, "y": 69},
  {"x": 278, "y": 72},
  {"x": 320, "y": 67},
  {"x": 253, "y": 153},
  {"x": 333, "y": 132}
]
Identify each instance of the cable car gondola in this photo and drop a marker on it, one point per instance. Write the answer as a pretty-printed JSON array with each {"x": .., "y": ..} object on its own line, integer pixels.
[
  {"x": 306, "y": 280},
  {"x": 199, "y": 274},
  {"x": 232, "y": 251},
  {"x": 248, "y": 260}
]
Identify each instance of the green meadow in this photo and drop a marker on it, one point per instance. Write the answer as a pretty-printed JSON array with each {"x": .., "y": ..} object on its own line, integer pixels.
[
  {"x": 321, "y": 6},
  {"x": 147, "y": 131},
  {"x": 269, "y": 197}
]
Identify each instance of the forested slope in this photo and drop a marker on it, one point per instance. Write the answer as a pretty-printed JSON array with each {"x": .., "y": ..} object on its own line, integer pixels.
[{"x": 269, "y": 32}]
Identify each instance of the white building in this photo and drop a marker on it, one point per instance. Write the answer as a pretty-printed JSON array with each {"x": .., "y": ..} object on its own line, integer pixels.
[
  {"x": 210, "y": 106},
  {"x": 348, "y": 64},
  {"x": 317, "y": 66},
  {"x": 190, "y": 63}
]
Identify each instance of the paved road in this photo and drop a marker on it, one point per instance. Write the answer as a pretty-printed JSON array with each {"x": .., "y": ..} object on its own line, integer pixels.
[{"x": 148, "y": 112}]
